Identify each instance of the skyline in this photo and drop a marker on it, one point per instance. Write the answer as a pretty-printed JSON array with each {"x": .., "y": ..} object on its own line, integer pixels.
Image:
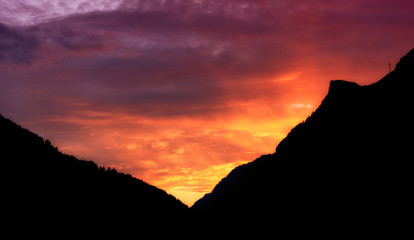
[{"x": 178, "y": 93}]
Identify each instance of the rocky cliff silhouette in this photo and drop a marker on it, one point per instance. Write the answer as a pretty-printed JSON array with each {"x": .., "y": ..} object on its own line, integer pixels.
[
  {"x": 39, "y": 181},
  {"x": 350, "y": 161}
]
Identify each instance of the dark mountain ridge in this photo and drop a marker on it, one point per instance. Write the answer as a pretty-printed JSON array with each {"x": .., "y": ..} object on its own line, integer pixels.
[
  {"x": 349, "y": 161},
  {"x": 38, "y": 179}
]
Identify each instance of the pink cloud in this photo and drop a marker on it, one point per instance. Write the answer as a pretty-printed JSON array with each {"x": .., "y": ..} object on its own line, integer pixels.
[{"x": 36, "y": 11}]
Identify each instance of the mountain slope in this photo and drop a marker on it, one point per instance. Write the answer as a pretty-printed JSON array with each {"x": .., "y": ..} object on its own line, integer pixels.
[
  {"x": 38, "y": 179},
  {"x": 350, "y": 158}
]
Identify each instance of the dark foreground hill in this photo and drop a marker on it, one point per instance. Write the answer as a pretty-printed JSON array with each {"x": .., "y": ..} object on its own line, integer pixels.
[
  {"x": 350, "y": 162},
  {"x": 39, "y": 181}
]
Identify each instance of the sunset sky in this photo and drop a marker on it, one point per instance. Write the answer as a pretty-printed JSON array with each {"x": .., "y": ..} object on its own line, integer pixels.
[{"x": 179, "y": 92}]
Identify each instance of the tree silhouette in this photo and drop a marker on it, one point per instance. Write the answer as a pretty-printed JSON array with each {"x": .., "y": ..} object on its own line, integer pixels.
[{"x": 41, "y": 180}]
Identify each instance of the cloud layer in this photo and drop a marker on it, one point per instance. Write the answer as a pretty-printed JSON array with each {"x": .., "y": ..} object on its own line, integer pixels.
[
  {"x": 30, "y": 12},
  {"x": 179, "y": 92}
]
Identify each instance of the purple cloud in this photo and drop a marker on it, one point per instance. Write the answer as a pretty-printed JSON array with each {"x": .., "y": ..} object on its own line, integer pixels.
[
  {"x": 16, "y": 46},
  {"x": 163, "y": 53}
]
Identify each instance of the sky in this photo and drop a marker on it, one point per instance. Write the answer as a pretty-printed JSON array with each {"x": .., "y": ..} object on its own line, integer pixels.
[{"x": 179, "y": 92}]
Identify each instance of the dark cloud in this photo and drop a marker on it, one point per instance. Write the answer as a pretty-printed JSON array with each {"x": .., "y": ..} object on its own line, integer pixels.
[
  {"x": 16, "y": 45},
  {"x": 168, "y": 58},
  {"x": 172, "y": 58},
  {"x": 73, "y": 39}
]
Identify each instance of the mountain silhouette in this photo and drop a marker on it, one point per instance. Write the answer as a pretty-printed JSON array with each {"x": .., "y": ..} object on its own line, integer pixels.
[
  {"x": 349, "y": 162},
  {"x": 38, "y": 180}
]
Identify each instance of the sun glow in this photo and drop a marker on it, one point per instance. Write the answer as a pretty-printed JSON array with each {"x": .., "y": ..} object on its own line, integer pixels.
[{"x": 190, "y": 184}]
